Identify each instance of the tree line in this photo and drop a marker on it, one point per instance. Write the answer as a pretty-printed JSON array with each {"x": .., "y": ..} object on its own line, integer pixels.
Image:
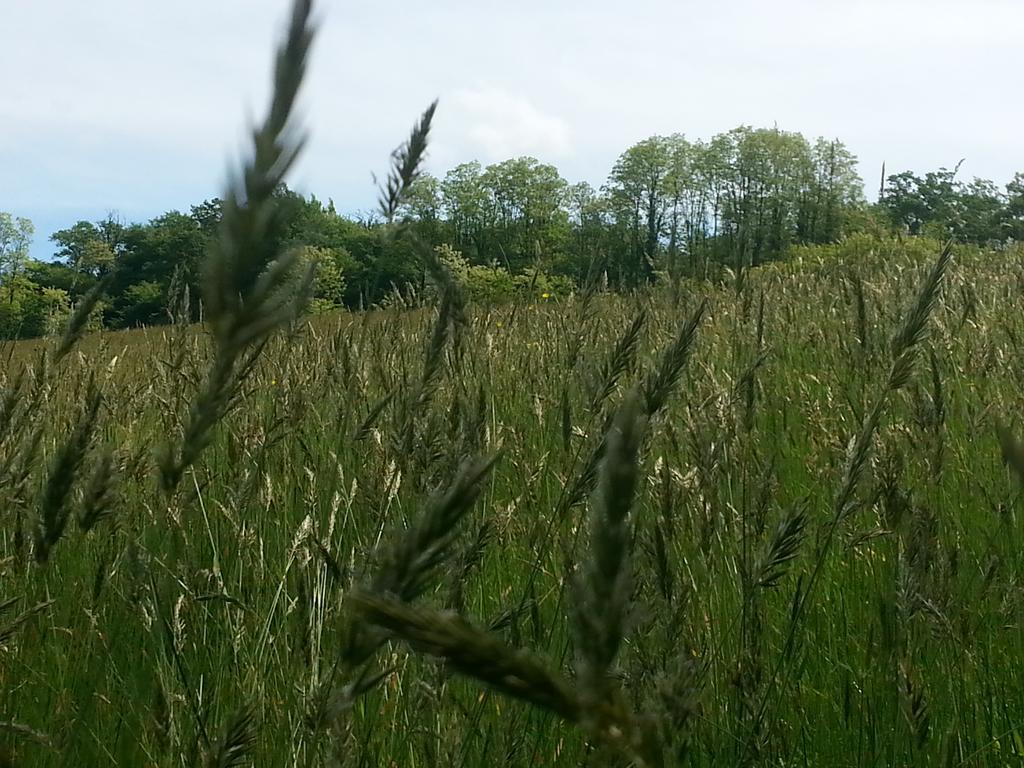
[{"x": 671, "y": 207}]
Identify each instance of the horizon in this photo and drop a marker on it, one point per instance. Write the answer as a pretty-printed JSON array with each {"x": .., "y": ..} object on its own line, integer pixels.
[{"x": 138, "y": 129}]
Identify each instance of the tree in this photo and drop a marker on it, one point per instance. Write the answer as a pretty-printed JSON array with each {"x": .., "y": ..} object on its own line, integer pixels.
[
  {"x": 773, "y": 168},
  {"x": 687, "y": 200},
  {"x": 976, "y": 212},
  {"x": 171, "y": 242},
  {"x": 526, "y": 198},
  {"x": 981, "y": 213},
  {"x": 466, "y": 205},
  {"x": 586, "y": 212},
  {"x": 423, "y": 206},
  {"x": 836, "y": 189},
  {"x": 15, "y": 239},
  {"x": 329, "y": 282},
  {"x": 670, "y": 205},
  {"x": 91, "y": 248},
  {"x": 913, "y": 201},
  {"x": 53, "y": 274},
  {"x": 142, "y": 303},
  {"x": 1014, "y": 212},
  {"x": 637, "y": 188},
  {"x": 207, "y": 214}
]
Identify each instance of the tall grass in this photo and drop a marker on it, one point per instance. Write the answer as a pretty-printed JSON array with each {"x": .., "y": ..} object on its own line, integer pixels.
[{"x": 764, "y": 523}]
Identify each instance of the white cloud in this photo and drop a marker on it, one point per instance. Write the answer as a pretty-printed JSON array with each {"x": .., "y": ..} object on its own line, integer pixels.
[{"x": 490, "y": 124}]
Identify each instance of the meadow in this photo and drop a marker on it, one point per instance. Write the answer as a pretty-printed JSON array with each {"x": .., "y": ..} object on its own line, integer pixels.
[
  {"x": 767, "y": 517},
  {"x": 766, "y": 580}
]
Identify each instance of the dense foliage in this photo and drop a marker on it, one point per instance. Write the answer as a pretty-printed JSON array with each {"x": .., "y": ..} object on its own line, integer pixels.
[{"x": 671, "y": 207}]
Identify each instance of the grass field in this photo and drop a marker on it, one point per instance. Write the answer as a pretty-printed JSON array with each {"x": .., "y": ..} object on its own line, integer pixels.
[{"x": 741, "y": 574}]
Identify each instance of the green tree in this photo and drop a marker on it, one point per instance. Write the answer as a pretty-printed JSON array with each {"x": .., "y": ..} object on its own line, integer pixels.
[
  {"x": 637, "y": 190},
  {"x": 670, "y": 205},
  {"x": 142, "y": 303},
  {"x": 423, "y": 206},
  {"x": 91, "y": 249},
  {"x": 688, "y": 196},
  {"x": 15, "y": 239},
  {"x": 980, "y": 213},
  {"x": 526, "y": 197},
  {"x": 939, "y": 204},
  {"x": 1013, "y": 216},
  {"x": 53, "y": 274},
  {"x": 586, "y": 212},
  {"x": 913, "y": 201},
  {"x": 770, "y": 169},
  {"x": 835, "y": 191},
  {"x": 207, "y": 214},
  {"x": 171, "y": 242},
  {"x": 467, "y": 207},
  {"x": 329, "y": 283}
]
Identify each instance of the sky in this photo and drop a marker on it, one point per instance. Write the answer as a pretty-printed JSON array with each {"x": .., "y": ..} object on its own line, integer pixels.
[{"x": 137, "y": 107}]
